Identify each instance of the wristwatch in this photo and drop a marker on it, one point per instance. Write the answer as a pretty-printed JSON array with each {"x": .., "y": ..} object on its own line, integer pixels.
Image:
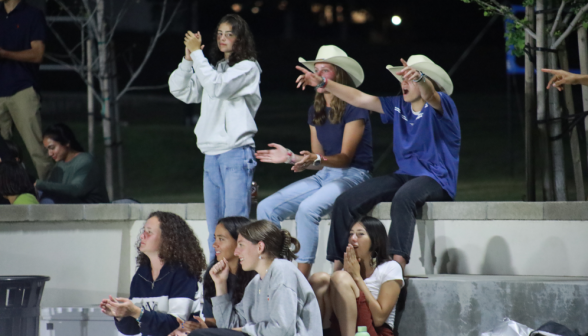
[{"x": 317, "y": 162}]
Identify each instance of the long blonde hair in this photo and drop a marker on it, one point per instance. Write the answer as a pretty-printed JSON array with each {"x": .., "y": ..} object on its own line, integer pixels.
[{"x": 337, "y": 105}]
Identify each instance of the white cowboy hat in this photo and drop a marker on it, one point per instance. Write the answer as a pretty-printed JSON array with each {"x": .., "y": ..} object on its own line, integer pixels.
[
  {"x": 430, "y": 69},
  {"x": 334, "y": 55}
]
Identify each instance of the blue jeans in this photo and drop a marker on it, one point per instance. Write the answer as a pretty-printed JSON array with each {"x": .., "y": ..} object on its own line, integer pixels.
[
  {"x": 227, "y": 187},
  {"x": 310, "y": 199}
]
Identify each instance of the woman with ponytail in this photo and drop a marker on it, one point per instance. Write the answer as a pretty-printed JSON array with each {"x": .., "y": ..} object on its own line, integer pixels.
[
  {"x": 341, "y": 150},
  {"x": 76, "y": 176},
  {"x": 278, "y": 301}
]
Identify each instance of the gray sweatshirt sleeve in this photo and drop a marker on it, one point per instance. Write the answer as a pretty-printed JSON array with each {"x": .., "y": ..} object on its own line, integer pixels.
[
  {"x": 283, "y": 315},
  {"x": 226, "y": 314},
  {"x": 184, "y": 84}
]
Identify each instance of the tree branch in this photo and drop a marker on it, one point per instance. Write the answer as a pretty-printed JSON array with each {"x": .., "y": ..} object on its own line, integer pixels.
[
  {"x": 498, "y": 9},
  {"x": 570, "y": 27},
  {"x": 160, "y": 31},
  {"x": 557, "y": 18},
  {"x": 80, "y": 70},
  {"x": 71, "y": 55}
]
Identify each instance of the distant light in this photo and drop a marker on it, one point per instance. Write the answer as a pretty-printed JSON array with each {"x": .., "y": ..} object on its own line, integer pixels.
[
  {"x": 329, "y": 13},
  {"x": 255, "y": 10},
  {"x": 359, "y": 16},
  {"x": 396, "y": 20},
  {"x": 315, "y": 8},
  {"x": 283, "y": 5},
  {"x": 258, "y": 3},
  {"x": 236, "y": 7}
]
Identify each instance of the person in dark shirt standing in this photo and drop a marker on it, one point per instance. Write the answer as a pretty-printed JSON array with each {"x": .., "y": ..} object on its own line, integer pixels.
[{"x": 22, "y": 35}]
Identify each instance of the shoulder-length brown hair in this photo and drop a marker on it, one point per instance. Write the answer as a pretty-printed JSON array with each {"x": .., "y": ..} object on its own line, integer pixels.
[
  {"x": 337, "y": 105},
  {"x": 244, "y": 46},
  {"x": 179, "y": 245}
]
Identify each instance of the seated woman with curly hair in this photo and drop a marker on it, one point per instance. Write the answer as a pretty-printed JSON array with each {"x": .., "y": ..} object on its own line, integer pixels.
[{"x": 164, "y": 287}]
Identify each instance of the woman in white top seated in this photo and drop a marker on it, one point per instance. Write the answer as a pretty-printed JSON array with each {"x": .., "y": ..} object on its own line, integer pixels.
[{"x": 365, "y": 292}]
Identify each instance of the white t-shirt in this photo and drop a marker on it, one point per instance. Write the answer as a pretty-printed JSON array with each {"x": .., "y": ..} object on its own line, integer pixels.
[{"x": 388, "y": 271}]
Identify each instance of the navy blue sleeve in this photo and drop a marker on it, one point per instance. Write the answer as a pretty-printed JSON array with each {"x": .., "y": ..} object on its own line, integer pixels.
[
  {"x": 181, "y": 299},
  {"x": 353, "y": 113},
  {"x": 311, "y": 116},
  {"x": 388, "y": 104},
  {"x": 39, "y": 27},
  {"x": 127, "y": 326}
]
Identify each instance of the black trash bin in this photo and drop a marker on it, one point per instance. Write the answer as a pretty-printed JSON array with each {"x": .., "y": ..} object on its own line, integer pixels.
[{"x": 20, "y": 297}]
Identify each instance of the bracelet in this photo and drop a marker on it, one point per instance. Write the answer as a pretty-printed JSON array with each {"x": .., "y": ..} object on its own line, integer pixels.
[
  {"x": 141, "y": 315},
  {"x": 422, "y": 78},
  {"x": 322, "y": 84},
  {"x": 290, "y": 157}
]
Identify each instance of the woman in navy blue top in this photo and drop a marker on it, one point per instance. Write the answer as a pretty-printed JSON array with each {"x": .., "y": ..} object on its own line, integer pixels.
[
  {"x": 427, "y": 139},
  {"x": 341, "y": 142},
  {"x": 164, "y": 288}
]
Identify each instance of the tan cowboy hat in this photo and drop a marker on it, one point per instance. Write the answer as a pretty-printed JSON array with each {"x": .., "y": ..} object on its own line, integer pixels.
[
  {"x": 432, "y": 70},
  {"x": 334, "y": 55}
]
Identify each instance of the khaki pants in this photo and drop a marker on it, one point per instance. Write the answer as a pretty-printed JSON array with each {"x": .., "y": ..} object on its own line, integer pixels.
[{"x": 23, "y": 109}]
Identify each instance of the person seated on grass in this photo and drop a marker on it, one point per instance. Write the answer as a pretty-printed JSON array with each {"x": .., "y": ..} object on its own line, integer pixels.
[
  {"x": 366, "y": 291},
  {"x": 426, "y": 141},
  {"x": 165, "y": 285},
  {"x": 77, "y": 177},
  {"x": 341, "y": 144},
  {"x": 278, "y": 301},
  {"x": 15, "y": 185},
  {"x": 225, "y": 242}
]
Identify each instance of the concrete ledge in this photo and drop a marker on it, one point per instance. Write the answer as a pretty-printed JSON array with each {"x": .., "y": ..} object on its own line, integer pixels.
[
  {"x": 564, "y": 211},
  {"x": 441, "y": 305}
]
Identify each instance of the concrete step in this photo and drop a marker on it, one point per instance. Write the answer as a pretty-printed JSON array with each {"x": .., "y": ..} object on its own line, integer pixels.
[{"x": 442, "y": 305}]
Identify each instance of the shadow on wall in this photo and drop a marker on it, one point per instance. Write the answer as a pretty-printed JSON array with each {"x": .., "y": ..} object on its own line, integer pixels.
[
  {"x": 453, "y": 260},
  {"x": 414, "y": 320},
  {"x": 497, "y": 260}
]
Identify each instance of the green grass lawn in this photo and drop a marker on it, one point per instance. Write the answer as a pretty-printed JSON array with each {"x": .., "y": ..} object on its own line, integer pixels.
[{"x": 163, "y": 164}]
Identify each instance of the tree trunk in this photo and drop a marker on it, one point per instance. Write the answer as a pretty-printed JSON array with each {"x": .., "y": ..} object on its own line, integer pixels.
[
  {"x": 555, "y": 129},
  {"x": 530, "y": 107},
  {"x": 117, "y": 139},
  {"x": 105, "y": 89},
  {"x": 89, "y": 52},
  {"x": 583, "y": 51},
  {"x": 574, "y": 140},
  {"x": 542, "y": 129}
]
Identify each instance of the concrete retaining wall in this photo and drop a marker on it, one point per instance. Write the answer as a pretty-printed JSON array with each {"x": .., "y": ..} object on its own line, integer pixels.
[{"x": 88, "y": 250}]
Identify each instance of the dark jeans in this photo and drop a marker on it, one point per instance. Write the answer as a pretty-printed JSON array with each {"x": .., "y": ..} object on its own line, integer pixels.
[
  {"x": 407, "y": 194},
  {"x": 216, "y": 332}
]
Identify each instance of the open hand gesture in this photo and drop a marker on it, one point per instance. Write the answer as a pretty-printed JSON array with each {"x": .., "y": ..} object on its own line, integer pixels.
[
  {"x": 561, "y": 78},
  {"x": 307, "y": 78},
  {"x": 220, "y": 272},
  {"x": 277, "y": 155},
  {"x": 307, "y": 160},
  {"x": 119, "y": 307},
  {"x": 408, "y": 73},
  {"x": 351, "y": 263},
  {"x": 193, "y": 42}
]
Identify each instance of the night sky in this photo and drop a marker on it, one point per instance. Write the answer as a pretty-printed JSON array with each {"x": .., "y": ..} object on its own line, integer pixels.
[{"x": 441, "y": 30}]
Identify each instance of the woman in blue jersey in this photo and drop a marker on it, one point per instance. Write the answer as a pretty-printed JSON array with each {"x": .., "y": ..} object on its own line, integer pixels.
[
  {"x": 164, "y": 287},
  {"x": 341, "y": 143},
  {"x": 427, "y": 139}
]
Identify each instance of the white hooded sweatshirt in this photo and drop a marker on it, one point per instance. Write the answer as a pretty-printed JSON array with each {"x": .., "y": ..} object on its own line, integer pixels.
[{"x": 230, "y": 98}]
